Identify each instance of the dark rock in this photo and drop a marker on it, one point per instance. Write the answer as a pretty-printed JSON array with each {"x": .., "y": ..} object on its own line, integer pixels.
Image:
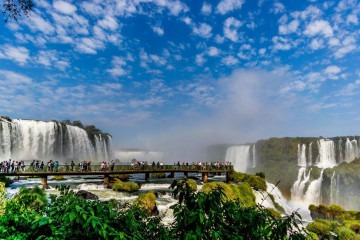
[{"x": 87, "y": 195}]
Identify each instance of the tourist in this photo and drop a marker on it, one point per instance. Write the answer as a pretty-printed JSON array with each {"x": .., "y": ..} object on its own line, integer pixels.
[
  {"x": 72, "y": 165},
  {"x": 42, "y": 166},
  {"x": 112, "y": 165}
]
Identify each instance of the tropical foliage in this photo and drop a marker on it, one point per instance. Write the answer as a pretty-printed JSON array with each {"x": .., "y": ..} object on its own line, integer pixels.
[{"x": 198, "y": 215}]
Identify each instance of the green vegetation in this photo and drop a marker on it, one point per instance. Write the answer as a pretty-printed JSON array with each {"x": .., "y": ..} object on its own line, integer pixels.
[
  {"x": 158, "y": 175},
  {"x": 121, "y": 186},
  {"x": 197, "y": 216},
  {"x": 256, "y": 182},
  {"x": 330, "y": 220},
  {"x": 235, "y": 192},
  {"x": 58, "y": 177},
  {"x": 6, "y": 118},
  {"x": 147, "y": 202},
  {"x": 122, "y": 177},
  {"x": 5, "y": 180}
]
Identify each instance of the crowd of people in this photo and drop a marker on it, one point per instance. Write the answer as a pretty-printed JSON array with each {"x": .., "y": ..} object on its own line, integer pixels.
[{"x": 182, "y": 165}]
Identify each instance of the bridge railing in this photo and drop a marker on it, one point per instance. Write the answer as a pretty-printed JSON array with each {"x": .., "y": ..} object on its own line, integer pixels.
[{"x": 95, "y": 167}]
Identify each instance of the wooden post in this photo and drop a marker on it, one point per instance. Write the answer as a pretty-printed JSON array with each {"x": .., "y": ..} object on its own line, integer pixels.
[
  {"x": 205, "y": 176},
  {"x": 147, "y": 177},
  {"x": 106, "y": 179},
  {"x": 44, "y": 182},
  {"x": 172, "y": 175},
  {"x": 186, "y": 174}
]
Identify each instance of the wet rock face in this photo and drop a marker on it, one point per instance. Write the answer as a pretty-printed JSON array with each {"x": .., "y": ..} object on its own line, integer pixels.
[{"x": 86, "y": 195}]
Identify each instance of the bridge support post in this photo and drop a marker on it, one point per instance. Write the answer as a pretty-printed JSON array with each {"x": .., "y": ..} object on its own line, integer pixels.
[
  {"x": 44, "y": 182},
  {"x": 172, "y": 175},
  {"x": 205, "y": 177},
  {"x": 147, "y": 177},
  {"x": 106, "y": 179},
  {"x": 228, "y": 176},
  {"x": 185, "y": 174}
]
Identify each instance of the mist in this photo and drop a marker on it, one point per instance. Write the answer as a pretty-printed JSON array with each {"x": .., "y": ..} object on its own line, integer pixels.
[{"x": 246, "y": 107}]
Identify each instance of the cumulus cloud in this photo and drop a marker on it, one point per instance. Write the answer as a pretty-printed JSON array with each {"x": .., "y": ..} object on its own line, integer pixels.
[
  {"x": 19, "y": 55},
  {"x": 230, "y": 60},
  {"x": 226, "y": 6},
  {"x": 213, "y": 51},
  {"x": 231, "y": 26},
  {"x": 319, "y": 27},
  {"x": 64, "y": 7},
  {"x": 158, "y": 30},
  {"x": 117, "y": 69},
  {"x": 203, "y": 30},
  {"x": 206, "y": 8}
]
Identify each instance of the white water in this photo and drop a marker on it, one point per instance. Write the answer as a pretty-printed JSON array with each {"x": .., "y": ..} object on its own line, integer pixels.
[
  {"x": 254, "y": 156},
  {"x": 310, "y": 154},
  {"x": 333, "y": 188},
  {"x": 297, "y": 190},
  {"x": 313, "y": 193},
  {"x": 302, "y": 155},
  {"x": 28, "y": 139},
  {"x": 239, "y": 156},
  {"x": 326, "y": 157},
  {"x": 351, "y": 150}
]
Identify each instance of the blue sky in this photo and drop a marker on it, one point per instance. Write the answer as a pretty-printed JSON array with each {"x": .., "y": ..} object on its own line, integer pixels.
[{"x": 155, "y": 72}]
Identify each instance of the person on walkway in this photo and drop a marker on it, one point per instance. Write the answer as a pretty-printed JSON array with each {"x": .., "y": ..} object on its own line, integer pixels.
[
  {"x": 112, "y": 165},
  {"x": 72, "y": 165}
]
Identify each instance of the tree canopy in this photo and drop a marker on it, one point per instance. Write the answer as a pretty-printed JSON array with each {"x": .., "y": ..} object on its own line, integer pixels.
[{"x": 13, "y": 9}]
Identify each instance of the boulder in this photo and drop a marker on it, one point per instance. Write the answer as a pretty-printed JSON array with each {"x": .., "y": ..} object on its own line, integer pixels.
[{"x": 87, "y": 195}]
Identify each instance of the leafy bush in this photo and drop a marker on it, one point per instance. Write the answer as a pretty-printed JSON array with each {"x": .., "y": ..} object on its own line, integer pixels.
[
  {"x": 121, "y": 186},
  {"x": 158, "y": 175},
  {"x": 255, "y": 182},
  {"x": 5, "y": 180},
  {"x": 147, "y": 202},
  {"x": 345, "y": 233},
  {"x": 320, "y": 227},
  {"x": 312, "y": 236},
  {"x": 122, "y": 177},
  {"x": 58, "y": 177}
]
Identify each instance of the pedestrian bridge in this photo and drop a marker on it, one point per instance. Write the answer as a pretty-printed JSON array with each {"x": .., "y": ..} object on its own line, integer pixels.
[{"x": 66, "y": 170}]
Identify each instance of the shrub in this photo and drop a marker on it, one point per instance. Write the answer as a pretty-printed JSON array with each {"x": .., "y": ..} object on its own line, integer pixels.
[
  {"x": 274, "y": 213},
  {"x": 5, "y": 180},
  {"x": 121, "y": 186},
  {"x": 146, "y": 201},
  {"x": 255, "y": 182},
  {"x": 122, "y": 177},
  {"x": 58, "y": 177},
  {"x": 345, "y": 233},
  {"x": 239, "y": 177},
  {"x": 158, "y": 175},
  {"x": 312, "y": 236},
  {"x": 320, "y": 227}
]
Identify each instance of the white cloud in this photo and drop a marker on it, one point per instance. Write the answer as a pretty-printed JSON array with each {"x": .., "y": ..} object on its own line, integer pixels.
[
  {"x": 88, "y": 45},
  {"x": 109, "y": 23},
  {"x": 262, "y": 51},
  {"x": 278, "y": 8},
  {"x": 11, "y": 78},
  {"x": 289, "y": 28},
  {"x": 64, "y": 7},
  {"x": 230, "y": 60},
  {"x": 281, "y": 43},
  {"x": 206, "y": 8},
  {"x": 117, "y": 69},
  {"x": 341, "y": 52},
  {"x": 352, "y": 18},
  {"x": 332, "y": 70},
  {"x": 213, "y": 51},
  {"x": 226, "y": 6},
  {"x": 318, "y": 27},
  {"x": 51, "y": 59},
  {"x": 37, "y": 23},
  {"x": 158, "y": 30},
  {"x": 199, "y": 59},
  {"x": 317, "y": 43},
  {"x": 203, "y": 30},
  {"x": 16, "y": 54},
  {"x": 231, "y": 26},
  {"x": 174, "y": 6},
  {"x": 349, "y": 89},
  {"x": 334, "y": 42}
]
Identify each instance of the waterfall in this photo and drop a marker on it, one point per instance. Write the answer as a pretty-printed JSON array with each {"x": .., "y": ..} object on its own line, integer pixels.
[
  {"x": 351, "y": 150},
  {"x": 302, "y": 155},
  {"x": 326, "y": 157},
  {"x": 254, "y": 156},
  {"x": 313, "y": 193},
  {"x": 239, "y": 157},
  {"x": 310, "y": 154},
  {"x": 28, "y": 140},
  {"x": 333, "y": 189},
  {"x": 340, "y": 149},
  {"x": 297, "y": 190}
]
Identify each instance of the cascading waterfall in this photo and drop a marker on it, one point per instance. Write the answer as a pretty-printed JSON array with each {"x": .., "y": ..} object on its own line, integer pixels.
[
  {"x": 28, "y": 139},
  {"x": 340, "y": 148},
  {"x": 333, "y": 189},
  {"x": 351, "y": 150},
  {"x": 239, "y": 156},
  {"x": 310, "y": 154},
  {"x": 326, "y": 158},
  {"x": 302, "y": 155},
  {"x": 297, "y": 190},
  {"x": 254, "y": 156},
  {"x": 313, "y": 193}
]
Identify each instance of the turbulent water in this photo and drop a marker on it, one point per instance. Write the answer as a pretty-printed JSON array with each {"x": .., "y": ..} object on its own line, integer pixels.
[{"x": 28, "y": 139}]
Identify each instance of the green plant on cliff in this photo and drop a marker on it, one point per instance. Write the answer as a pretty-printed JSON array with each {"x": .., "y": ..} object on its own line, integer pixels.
[
  {"x": 254, "y": 181},
  {"x": 213, "y": 216},
  {"x": 121, "y": 186},
  {"x": 146, "y": 201}
]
